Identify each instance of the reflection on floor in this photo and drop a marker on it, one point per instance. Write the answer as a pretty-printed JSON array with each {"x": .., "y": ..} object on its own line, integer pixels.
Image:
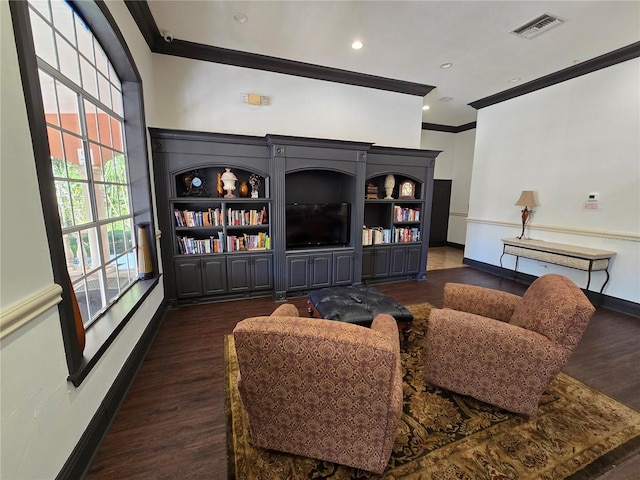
[{"x": 439, "y": 258}]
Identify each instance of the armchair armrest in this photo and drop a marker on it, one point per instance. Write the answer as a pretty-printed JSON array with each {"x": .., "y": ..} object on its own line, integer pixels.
[
  {"x": 286, "y": 310},
  {"x": 481, "y": 301}
]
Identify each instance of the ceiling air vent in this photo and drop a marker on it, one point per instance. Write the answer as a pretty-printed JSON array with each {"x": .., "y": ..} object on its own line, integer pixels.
[{"x": 537, "y": 26}]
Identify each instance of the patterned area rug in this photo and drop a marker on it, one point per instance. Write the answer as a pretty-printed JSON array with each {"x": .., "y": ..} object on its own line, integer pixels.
[{"x": 578, "y": 433}]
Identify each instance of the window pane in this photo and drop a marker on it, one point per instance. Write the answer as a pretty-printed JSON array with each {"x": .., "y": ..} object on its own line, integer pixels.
[
  {"x": 123, "y": 195},
  {"x": 104, "y": 127},
  {"x": 73, "y": 254},
  {"x": 57, "y": 153},
  {"x": 68, "y": 57},
  {"x": 102, "y": 63},
  {"x": 80, "y": 202},
  {"x": 129, "y": 242},
  {"x": 43, "y": 40},
  {"x": 95, "y": 287},
  {"x": 113, "y": 281},
  {"x": 117, "y": 101},
  {"x": 108, "y": 241},
  {"x": 109, "y": 165},
  {"x": 90, "y": 250},
  {"x": 47, "y": 87},
  {"x": 120, "y": 236},
  {"x": 74, "y": 155},
  {"x": 63, "y": 20},
  {"x": 103, "y": 206},
  {"x": 91, "y": 119},
  {"x": 116, "y": 135},
  {"x": 89, "y": 79},
  {"x": 68, "y": 105},
  {"x": 80, "y": 289},
  {"x": 64, "y": 203},
  {"x": 85, "y": 39},
  {"x": 105, "y": 90},
  {"x": 95, "y": 159}
]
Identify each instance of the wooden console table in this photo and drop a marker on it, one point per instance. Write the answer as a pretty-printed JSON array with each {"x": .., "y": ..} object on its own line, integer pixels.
[{"x": 581, "y": 258}]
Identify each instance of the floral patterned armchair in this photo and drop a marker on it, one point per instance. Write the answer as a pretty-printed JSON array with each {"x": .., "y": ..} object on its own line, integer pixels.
[
  {"x": 501, "y": 348},
  {"x": 320, "y": 388}
]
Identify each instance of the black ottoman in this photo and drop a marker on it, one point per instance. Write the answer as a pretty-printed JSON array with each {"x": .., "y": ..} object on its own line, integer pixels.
[{"x": 357, "y": 304}]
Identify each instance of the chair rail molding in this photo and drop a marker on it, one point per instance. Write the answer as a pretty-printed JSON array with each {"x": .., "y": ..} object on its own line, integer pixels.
[
  {"x": 606, "y": 234},
  {"x": 22, "y": 312}
]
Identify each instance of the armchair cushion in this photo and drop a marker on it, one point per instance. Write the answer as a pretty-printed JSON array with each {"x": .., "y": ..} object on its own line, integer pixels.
[
  {"x": 481, "y": 301},
  {"x": 321, "y": 389}
]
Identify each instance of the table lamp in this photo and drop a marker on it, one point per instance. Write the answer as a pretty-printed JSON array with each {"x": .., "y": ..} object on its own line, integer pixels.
[{"x": 526, "y": 200}]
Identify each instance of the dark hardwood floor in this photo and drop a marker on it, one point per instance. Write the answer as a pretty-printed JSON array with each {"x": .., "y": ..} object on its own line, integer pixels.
[{"x": 171, "y": 425}]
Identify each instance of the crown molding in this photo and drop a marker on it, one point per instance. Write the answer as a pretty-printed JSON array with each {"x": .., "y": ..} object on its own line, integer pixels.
[
  {"x": 603, "y": 61},
  {"x": 435, "y": 127},
  {"x": 181, "y": 48}
]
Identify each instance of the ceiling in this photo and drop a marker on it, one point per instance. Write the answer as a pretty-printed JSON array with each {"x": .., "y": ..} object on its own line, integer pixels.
[{"x": 410, "y": 40}]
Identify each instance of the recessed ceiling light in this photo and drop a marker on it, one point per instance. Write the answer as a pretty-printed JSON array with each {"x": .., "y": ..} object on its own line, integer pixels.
[
  {"x": 357, "y": 45},
  {"x": 240, "y": 17},
  {"x": 445, "y": 99},
  {"x": 426, "y": 107},
  {"x": 515, "y": 80},
  {"x": 446, "y": 65}
]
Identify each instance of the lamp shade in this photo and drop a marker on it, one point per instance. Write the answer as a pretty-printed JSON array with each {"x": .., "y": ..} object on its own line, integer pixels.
[{"x": 526, "y": 199}]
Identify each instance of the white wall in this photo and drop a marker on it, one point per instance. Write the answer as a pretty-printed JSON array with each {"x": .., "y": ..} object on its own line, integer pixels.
[
  {"x": 202, "y": 96},
  {"x": 563, "y": 142},
  {"x": 455, "y": 164},
  {"x": 43, "y": 415}
]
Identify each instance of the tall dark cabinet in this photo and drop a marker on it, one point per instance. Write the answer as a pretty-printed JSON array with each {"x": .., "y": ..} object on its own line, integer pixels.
[{"x": 220, "y": 244}]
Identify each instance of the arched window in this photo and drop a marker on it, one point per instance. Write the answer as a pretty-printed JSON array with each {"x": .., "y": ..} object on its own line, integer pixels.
[
  {"x": 82, "y": 98},
  {"x": 81, "y": 84}
]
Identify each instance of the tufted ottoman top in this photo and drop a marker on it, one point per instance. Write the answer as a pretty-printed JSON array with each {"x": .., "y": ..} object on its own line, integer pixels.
[{"x": 357, "y": 304}]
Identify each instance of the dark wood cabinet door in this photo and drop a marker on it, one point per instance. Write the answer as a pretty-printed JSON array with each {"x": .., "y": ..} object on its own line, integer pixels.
[
  {"x": 342, "y": 268},
  {"x": 261, "y": 272},
  {"x": 297, "y": 272},
  {"x": 239, "y": 273},
  {"x": 381, "y": 261},
  {"x": 397, "y": 260},
  {"x": 188, "y": 279},
  {"x": 320, "y": 270},
  {"x": 214, "y": 275},
  {"x": 412, "y": 265}
]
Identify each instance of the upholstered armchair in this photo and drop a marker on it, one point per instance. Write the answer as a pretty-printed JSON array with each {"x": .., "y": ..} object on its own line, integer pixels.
[
  {"x": 501, "y": 348},
  {"x": 320, "y": 388}
]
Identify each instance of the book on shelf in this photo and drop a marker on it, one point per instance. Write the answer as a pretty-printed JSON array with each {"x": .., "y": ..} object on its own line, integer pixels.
[
  {"x": 241, "y": 217},
  {"x": 401, "y": 214},
  {"x": 259, "y": 241},
  {"x": 192, "y": 218},
  {"x": 375, "y": 236},
  {"x": 405, "y": 235},
  {"x": 195, "y": 246}
]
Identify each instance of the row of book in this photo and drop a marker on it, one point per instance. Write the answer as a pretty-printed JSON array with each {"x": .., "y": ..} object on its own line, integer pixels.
[
  {"x": 401, "y": 214},
  {"x": 212, "y": 217},
  {"x": 259, "y": 241},
  {"x": 217, "y": 244},
  {"x": 375, "y": 236},
  {"x": 192, "y": 218},
  {"x": 379, "y": 235},
  {"x": 193, "y": 246},
  {"x": 247, "y": 217}
]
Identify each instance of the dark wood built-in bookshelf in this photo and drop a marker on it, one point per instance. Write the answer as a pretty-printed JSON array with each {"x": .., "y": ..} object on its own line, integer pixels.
[{"x": 217, "y": 246}]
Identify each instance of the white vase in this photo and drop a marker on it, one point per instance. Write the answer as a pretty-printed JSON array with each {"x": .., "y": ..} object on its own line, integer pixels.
[
  {"x": 229, "y": 182},
  {"x": 389, "y": 183}
]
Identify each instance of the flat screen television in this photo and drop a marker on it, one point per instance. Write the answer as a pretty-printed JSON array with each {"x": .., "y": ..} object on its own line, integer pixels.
[{"x": 318, "y": 225}]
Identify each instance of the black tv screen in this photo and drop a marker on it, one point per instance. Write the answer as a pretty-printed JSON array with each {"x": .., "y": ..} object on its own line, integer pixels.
[{"x": 317, "y": 225}]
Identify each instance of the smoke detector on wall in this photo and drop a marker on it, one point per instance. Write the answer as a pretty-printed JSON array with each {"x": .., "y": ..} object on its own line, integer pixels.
[{"x": 538, "y": 25}]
